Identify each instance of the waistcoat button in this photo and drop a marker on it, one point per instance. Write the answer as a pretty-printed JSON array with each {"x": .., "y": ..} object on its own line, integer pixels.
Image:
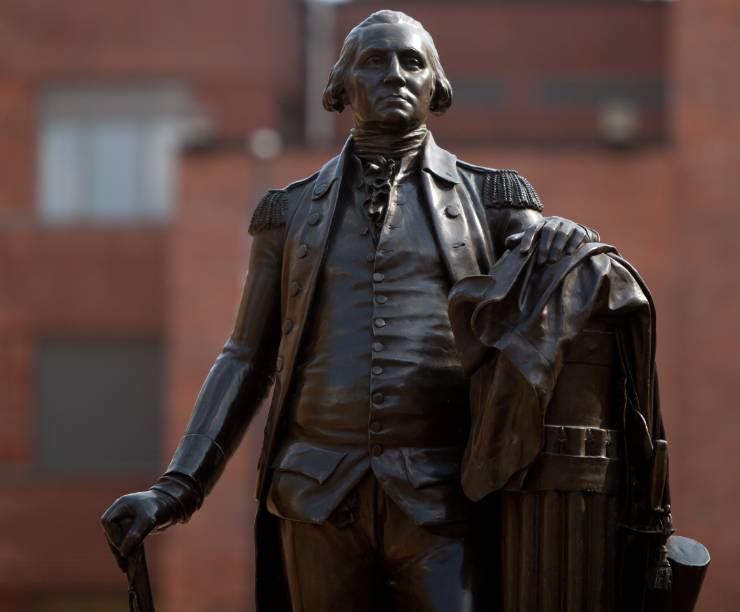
[
  {"x": 287, "y": 326},
  {"x": 377, "y": 450},
  {"x": 375, "y": 426},
  {"x": 295, "y": 288},
  {"x": 302, "y": 251},
  {"x": 378, "y": 346},
  {"x": 381, "y": 299},
  {"x": 379, "y": 322},
  {"x": 370, "y": 257},
  {"x": 378, "y": 277},
  {"x": 452, "y": 211},
  {"x": 378, "y": 398},
  {"x": 279, "y": 364},
  {"x": 377, "y": 370},
  {"x": 364, "y": 231},
  {"x": 314, "y": 218}
]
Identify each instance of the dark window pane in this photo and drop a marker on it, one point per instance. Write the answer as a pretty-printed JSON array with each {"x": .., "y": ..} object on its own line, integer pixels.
[
  {"x": 99, "y": 407},
  {"x": 81, "y": 604}
]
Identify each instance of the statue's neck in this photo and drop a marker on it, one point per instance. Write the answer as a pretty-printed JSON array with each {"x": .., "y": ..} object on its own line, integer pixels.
[{"x": 370, "y": 142}]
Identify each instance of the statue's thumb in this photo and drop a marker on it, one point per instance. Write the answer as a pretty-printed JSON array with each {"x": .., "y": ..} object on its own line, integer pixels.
[
  {"x": 136, "y": 534},
  {"x": 513, "y": 240}
]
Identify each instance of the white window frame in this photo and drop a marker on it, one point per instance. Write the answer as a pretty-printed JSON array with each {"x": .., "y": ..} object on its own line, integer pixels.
[{"x": 107, "y": 153}]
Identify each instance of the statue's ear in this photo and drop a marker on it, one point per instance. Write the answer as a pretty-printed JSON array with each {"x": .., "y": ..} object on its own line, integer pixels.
[{"x": 335, "y": 95}]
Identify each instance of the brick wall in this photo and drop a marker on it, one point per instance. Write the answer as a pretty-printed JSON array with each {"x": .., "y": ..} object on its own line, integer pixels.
[
  {"x": 670, "y": 208},
  {"x": 704, "y": 268}
]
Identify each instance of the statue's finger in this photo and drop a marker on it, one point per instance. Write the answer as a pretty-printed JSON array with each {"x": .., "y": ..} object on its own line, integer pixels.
[
  {"x": 591, "y": 234},
  {"x": 112, "y": 518},
  {"x": 578, "y": 237},
  {"x": 547, "y": 236},
  {"x": 120, "y": 559},
  {"x": 562, "y": 236},
  {"x": 117, "y": 511},
  {"x": 530, "y": 235},
  {"x": 139, "y": 529},
  {"x": 513, "y": 240}
]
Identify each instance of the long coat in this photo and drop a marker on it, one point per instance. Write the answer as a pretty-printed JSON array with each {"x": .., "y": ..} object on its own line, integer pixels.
[{"x": 472, "y": 210}]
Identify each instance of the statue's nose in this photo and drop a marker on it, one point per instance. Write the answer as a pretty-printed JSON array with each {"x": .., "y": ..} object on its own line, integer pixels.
[{"x": 394, "y": 75}]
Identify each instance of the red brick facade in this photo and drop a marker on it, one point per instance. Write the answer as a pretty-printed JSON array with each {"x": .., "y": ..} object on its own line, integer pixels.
[{"x": 669, "y": 206}]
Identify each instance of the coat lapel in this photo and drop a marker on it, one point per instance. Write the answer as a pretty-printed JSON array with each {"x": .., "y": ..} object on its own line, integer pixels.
[
  {"x": 453, "y": 218},
  {"x": 303, "y": 261}
]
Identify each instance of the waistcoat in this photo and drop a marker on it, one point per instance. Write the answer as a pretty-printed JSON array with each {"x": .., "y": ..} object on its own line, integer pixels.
[{"x": 378, "y": 381}]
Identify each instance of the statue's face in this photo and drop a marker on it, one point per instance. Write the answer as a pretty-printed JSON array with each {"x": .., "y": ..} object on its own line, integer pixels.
[{"x": 391, "y": 83}]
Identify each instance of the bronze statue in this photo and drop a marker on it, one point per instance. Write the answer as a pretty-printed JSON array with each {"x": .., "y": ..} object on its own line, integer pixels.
[{"x": 378, "y": 484}]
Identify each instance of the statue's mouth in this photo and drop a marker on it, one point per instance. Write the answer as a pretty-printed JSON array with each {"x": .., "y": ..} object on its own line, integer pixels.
[{"x": 397, "y": 98}]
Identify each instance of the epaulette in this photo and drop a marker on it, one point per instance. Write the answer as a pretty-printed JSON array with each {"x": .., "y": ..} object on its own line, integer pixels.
[
  {"x": 270, "y": 212},
  {"x": 509, "y": 189}
]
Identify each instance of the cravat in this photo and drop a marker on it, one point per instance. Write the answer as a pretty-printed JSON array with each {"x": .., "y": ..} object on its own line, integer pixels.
[{"x": 379, "y": 173}]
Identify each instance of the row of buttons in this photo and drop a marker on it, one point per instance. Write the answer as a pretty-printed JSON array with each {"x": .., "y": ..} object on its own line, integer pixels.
[
  {"x": 378, "y": 398},
  {"x": 295, "y": 287}
]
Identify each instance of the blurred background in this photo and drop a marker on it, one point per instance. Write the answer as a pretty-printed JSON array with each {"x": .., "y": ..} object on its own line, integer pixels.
[{"x": 136, "y": 137}]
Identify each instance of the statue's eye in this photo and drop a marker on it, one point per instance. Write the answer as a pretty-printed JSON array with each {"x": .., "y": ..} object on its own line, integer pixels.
[
  {"x": 373, "y": 60},
  {"x": 414, "y": 61}
]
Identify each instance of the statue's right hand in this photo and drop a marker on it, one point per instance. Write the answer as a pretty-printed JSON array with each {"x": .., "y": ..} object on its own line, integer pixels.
[{"x": 130, "y": 519}]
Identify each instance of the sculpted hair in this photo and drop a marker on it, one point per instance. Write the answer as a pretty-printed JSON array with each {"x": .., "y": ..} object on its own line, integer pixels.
[{"x": 335, "y": 96}]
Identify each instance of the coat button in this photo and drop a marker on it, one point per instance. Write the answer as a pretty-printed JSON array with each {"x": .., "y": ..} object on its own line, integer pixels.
[
  {"x": 377, "y": 370},
  {"x": 452, "y": 211},
  {"x": 378, "y": 346},
  {"x": 370, "y": 258},
  {"x": 378, "y": 277},
  {"x": 302, "y": 251},
  {"x": 377, "y": 450},
  {"x": 314, "y": 218},
  {"x": 287, "y": 326},
  {"x": 279, "y": 364},
  {"x": 378, "y": 398},
  {"x": 380, "y": 322},
  {"x": 295, "y": 288},
  {"x": 381, "y": 299}
]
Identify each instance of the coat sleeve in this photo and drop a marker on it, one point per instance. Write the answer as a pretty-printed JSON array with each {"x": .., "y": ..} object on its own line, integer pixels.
[{"x": 243, "y": 372}]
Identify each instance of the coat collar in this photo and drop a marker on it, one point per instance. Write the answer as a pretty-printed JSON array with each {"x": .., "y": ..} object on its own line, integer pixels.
[
  {"x": 331, "y": 172},
  {"x": 439, "y": 162},
  {"x": 435, "y": 159}
]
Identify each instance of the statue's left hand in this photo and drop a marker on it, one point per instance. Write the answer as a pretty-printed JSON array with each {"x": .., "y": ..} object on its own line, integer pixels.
[{"x": 553, "y": 237}]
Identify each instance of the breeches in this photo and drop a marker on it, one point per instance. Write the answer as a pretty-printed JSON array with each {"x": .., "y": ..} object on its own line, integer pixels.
[{"x": 370, "y": 557}]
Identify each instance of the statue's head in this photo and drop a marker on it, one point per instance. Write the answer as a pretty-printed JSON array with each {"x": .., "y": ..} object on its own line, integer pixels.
[{"x": 389, "y": 74}]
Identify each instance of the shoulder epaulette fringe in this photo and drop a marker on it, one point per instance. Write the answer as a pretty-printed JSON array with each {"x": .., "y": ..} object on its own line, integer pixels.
[
  {"x": 270, "y": 212},
  {"x": 509, "y": 189}
]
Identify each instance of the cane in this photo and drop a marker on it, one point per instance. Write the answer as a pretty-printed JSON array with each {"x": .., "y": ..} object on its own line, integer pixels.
[{"x": 134, "y": 566}]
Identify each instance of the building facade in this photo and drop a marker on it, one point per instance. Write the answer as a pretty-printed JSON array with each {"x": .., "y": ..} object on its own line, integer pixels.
[{"x": 137, "y": 138}]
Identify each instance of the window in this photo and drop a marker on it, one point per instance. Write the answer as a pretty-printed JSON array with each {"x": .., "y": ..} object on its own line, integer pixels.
[
  {"x": 108, "y": 153},
  {"x": 99, "y": 408},
  {"x": 81, "y": 603}
]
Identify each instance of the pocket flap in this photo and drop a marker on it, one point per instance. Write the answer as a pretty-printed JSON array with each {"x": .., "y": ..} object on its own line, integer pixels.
[
  {"x": 429, "y": 466},
  {"x": 313, "y": 461}
]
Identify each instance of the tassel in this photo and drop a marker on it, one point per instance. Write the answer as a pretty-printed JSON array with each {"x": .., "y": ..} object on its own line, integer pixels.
[
  {"x": 509, "y": 189},
  {"x": 270, "y": 212},
  {"x": 660, "y": 574}
]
